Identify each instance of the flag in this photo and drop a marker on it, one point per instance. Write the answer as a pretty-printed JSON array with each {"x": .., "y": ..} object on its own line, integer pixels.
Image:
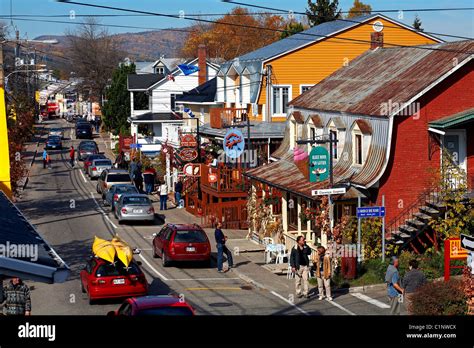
[
  {"x": 188, "y": 69},
  {"x": 170, "y": 77},
  {"x": 189, "y": 112}
]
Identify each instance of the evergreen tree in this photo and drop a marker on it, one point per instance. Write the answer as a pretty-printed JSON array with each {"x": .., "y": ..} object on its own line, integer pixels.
[
  {"x": 291, "y": 29},
  {"x": 417, "y": 23},
  {"x": 322, "y": 11}
]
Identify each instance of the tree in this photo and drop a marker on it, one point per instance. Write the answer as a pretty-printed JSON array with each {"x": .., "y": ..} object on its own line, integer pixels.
[
  {"x": 94, "y": 56},
  {"x": 417, "y": 23},
  {"x": 291, "y": 29},
  {"x": 322, "y": 11},
  {"x": 116, "y": 109},
  {"x": 359, "y": 9}
]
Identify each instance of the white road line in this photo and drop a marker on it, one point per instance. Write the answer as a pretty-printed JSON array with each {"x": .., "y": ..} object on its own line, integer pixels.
[
  {"x": 85, "y": 180},
  {"x": 289, "y": 302},
  {"x": 210, "y": 279},
  {"x": 153, "y": 268},
  {"x": 341, "y": 307},
  {"x": 370, "y": 300},
  {"x": 104, "y": 214}
]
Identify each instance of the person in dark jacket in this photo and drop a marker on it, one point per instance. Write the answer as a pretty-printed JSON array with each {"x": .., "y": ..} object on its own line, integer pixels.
[
  {"x": 221, "y": 249},
  {"x": 178, "y": 189},
  {"x": 16, "y": 296},
  {"x": 149, "y": 179},
  {"x": 138, "y": 178},
  {"x": 299, "y": 263},
  {"x": 412, "y": 281}
]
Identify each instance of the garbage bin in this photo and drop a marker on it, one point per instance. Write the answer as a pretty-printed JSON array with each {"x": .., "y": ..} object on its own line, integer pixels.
[{"x": 349, "y": 267}]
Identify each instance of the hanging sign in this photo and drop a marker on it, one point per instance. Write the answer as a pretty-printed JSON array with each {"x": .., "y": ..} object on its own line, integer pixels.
[
  {"x": 188, "y": 140},
  {"x": 192, "y": 169},
  {"x": 318, "y": 164},
  {"x": 188, "y": 155},
  {"x": 234, "y": 143}
]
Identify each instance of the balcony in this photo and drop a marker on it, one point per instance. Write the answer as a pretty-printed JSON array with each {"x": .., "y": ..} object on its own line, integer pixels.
[
  {"x": 228, "y": 179},
  {"x": 222, "y": 117}
]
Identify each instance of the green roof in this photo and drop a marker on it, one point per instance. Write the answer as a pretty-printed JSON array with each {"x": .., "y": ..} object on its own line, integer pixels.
[{"x": 454, "y": 120}]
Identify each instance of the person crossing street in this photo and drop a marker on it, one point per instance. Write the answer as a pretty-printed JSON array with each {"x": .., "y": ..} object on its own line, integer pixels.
[
  {"x": 222, "y": 249},
  {"x": 72, "y": 154}
]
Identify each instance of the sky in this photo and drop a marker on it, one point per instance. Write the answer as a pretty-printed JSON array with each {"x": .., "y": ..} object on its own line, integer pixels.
[{"x": 448, "y": 22}]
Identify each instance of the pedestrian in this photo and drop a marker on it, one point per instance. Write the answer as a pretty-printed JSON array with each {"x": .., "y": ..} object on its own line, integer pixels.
[
  {"x": 133, "y": 167},
  {"x": 412, "y": 281},
  {"x": 163, "y": 195},
  {"x": 119, "y": 160},
  {"x": 394, "y": 290},
  {"x": 178, "y": 189},
  {"x": 16, "y": 296},
  {"x": 221, "y": 249},
  {"x": 98, "y": 121},
  {"x": 48, "y": 160},
  {"x": 149, "y": 179},
  {"x": 72, "y": 154},
  {"x": 138, "y": 179},
  {"x": 299, "y": 263},
  {"x": 322, "y": 265},
  {"x": 45, "y": 158}
]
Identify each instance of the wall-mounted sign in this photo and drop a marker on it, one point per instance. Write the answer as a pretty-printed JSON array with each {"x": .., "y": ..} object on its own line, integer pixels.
[
  {"x": 212, "y": 178},
  {"x": 188, "y": 154},
  {"x": 188, "y": 140},
  {"x": 234, "y": 143},
  {"x": 325, "y": 192},
  {"x": 192, "y": 169},
  {"x": 318, "y": 164}
]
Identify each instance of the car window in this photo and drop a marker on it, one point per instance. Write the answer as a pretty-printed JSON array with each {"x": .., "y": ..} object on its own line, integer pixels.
[
  {"x": 190, "y": 236},
  {"x": 165, "y": 311},
  {"x": 117, "y": 269},
  {"x": 167, "y": 234},
  {"x": 136, "y": 200},
  {"x": 103, "y": 163},
  {"x": 118, "y": 177},
  {"x": 125, "y": 309},
  {"x": 102, "y": 176},
  {"x": 90, "y": 266},
  {"x": 126, "y": 189}
]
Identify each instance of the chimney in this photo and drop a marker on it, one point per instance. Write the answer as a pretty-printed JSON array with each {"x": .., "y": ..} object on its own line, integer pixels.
[
  {"x": 202, "y": 74},
  {"x": 376, "y": 40}
]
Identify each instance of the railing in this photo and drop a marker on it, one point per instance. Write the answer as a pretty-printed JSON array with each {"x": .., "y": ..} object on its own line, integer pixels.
[
  {"x": 228, "y": 179},
  {"x": 232, "y": 215},
  {"x": 290, "y": 242},
  {"x": 221, "y": 117}
]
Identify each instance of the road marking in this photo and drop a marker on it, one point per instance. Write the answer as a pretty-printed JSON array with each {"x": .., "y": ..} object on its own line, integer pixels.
[
  {"x": 218, "y": 288},
  {"x": 289, "y": 302},
  {"x": 340, "y": 307},
  {"x": 153, "y": 268},
  {"x": 370, "y": 300},
  {"x": 104, "y": 214},
  {"x": 80, "y": 171},
  {"x": 210, "y": 279}
]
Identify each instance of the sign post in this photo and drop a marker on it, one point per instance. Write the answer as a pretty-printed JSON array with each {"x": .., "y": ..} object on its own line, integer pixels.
[{"x": 370, "y": 212}]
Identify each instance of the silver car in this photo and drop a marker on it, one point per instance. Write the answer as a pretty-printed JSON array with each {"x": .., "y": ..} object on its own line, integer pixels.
[
  {"x": 133, "y": 207},
  {"x": 97, "y": 166},
  {"x": 115, "y": 191}
]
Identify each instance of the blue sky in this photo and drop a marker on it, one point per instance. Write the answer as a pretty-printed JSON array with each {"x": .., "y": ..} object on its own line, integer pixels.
[{"x": 454, "y": 23}]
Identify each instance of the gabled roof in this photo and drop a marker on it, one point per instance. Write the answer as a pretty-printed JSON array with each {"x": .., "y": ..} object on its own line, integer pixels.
[
  {"x": 205, "y": 93},
  {"x": 141, "y": 82},
  {"x": 399, "y": 75},
  {"x": 156, "y": 117}
]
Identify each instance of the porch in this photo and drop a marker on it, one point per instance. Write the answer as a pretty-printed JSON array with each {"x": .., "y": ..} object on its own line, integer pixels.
[{"x": 223, "y": 117}]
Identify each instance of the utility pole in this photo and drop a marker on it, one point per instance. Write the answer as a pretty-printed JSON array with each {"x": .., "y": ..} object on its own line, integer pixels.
[{"x": 269, "y": 93}]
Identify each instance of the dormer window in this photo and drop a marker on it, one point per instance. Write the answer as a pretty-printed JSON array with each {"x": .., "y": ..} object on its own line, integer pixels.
[
  {"x": 160, "y": 70},
  {"x": 315, "y": 128},
  {"x": 337, "y": 129},
  {"x": 296, "y": 119},
  {"x": 361, "y": 137}
]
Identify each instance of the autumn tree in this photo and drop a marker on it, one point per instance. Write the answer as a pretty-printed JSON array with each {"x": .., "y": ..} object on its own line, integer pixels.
[
  {"x": 359, "y": 9},
  {"x": 291, "y": 29},
  {"x": 322, "y": 11},
  {"x": 417, "y": 23}
]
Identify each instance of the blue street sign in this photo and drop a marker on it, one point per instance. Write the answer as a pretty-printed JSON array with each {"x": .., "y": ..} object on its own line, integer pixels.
[
  {"x": 368, "y": 212},
  {"x": 135, "y": 146}
]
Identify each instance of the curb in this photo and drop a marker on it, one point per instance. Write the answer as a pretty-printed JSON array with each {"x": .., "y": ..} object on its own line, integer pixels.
[{"x": 31, "y": 165}]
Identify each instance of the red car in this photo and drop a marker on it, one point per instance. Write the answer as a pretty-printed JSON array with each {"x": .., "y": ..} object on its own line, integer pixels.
[
  {"x": 153, "y": 305},
  {"x": 182, "y": 242},
  {"x": 100, "y": 279}
]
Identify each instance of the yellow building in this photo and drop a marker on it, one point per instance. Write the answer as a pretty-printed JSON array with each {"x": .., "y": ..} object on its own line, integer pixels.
[
  {"x": 262, "y": 82},
  {"x": 5, "y": 181}
]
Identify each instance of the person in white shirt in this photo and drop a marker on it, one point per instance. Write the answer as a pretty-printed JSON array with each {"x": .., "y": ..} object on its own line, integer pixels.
[{"x": 163, "y": 195}]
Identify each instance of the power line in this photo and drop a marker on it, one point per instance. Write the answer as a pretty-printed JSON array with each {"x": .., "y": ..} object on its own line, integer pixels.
[{"x": 250, "y": 26}]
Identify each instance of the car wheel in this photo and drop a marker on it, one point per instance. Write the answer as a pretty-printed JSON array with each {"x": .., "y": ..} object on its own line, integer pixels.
[
  {"x": 91, "y": 301},
  {"x": 97, "y": 188},
  {"x": 164, "y": 259}
]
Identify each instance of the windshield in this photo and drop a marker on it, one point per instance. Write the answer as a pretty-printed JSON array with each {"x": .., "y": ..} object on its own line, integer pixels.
[
  {"x": 193, "y": 236},
  {"x": 136, "y": 201},
  {"x": 54, "y": 138},
  {"x": 119, "y": 269},
  {"x": 165, "y": 311},
  {"x": 126, "y": 189},
  {"x": 103, "y": 163},
  {"x": 118, "y": 178}
]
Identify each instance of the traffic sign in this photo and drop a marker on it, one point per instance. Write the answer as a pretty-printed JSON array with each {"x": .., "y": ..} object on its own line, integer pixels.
[
  {"x": 467, "y": 242},
  {"x": 368, "y": 212},
  {"x": 325, "y": 192},
  {"x": 135, "y": 146}
]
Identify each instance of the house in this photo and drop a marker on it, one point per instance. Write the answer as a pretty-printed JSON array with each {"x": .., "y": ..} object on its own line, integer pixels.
[
  {"x": 395, "y": 113},
  {"x": 161, "y": 66}
]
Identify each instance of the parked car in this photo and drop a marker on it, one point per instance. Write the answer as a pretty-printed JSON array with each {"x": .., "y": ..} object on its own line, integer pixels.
[
  {"x": 97, "y": 166},
  {"x": 115, "y": 191},
  {"x": 182, "y": 242},
  {"x": 89, "y": 159},
  {"x": 83, "y": 130},
  {"x": 86, "y": 148},
  {"x": 54, "y": 142},
  {"x": 134, "y": 207},
  {"x": 57, "y": 131},
  {"x": 153, "y": 305},
  {"x": 101, "y": 279},
  {"x": 111, "y": 177}
]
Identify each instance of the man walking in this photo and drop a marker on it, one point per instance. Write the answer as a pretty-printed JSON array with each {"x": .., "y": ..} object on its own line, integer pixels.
[
  {"x": 45, "y": 158},
  {"x": 149, "y": 179},
  {"x": 394, "y": 290},
  {"x": 16, "y": 296},
  {"x": 72, "y": 154},
  {"x": 299, "y": 263},
  {"x": 178, "y": 189},
  {"x": 412, "y": 281},
  {"x": 138, "y": 178},
  {"x": 163, "y": 195},
  {"x": 221, "y": 249},
  {"x": 323, "y": 273}
]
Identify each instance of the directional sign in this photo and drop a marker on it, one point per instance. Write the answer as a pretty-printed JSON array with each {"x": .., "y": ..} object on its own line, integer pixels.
[
  {"x": 467, "y": 242},
  {"x": 333, "y": 191},
  {"x": 135, "y": 146},
  {"x": 368, "y": 212}
]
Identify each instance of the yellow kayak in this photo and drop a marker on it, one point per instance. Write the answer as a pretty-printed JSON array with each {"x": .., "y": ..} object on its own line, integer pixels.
[
  {"x": 104, "y": 249},
  {"x": 124, "y": 251}
]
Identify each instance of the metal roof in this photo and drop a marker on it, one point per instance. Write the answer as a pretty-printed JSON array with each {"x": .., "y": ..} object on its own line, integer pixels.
[
  {"x": 142, "y": 81},
  {"x": 205, "y": 93},
  {"x": 377, "y": 77},
  {"x": 454, "y": 120},
  {"x": 258, "y": 130},
  {"x": 46, "y": 266}
]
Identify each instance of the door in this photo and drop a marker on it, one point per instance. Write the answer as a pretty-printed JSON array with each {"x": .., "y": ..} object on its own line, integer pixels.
[{"x": 454, "y": 143}]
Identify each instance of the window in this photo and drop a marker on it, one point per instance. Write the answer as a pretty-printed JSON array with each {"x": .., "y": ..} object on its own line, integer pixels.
[
  {"x": 358, "y": 148},
  {"x": 193, "y": 236},
  {"x": 173, "y": 101},
  {"x": 334, "y": 145},
  {"x": 305, "y": 88},
  {"x": 174, "y": 311},
  {"x": 312, "y": 133},
  {"x": 280, "y": 100},
  {"x": 160, "y": 70},
  {"x": 118, "y": 178}
]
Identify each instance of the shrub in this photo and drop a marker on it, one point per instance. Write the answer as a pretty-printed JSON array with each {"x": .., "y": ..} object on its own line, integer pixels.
[{"x": 440, "y": 298}]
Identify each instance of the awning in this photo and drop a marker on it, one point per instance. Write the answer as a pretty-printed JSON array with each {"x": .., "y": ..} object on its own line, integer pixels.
[
  {"x": 453, "y": 121},
  {"x": 23, "y": 252}
]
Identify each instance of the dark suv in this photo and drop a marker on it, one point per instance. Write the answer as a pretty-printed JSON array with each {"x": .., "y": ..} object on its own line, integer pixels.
[{"x": 83, "y": 130}]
